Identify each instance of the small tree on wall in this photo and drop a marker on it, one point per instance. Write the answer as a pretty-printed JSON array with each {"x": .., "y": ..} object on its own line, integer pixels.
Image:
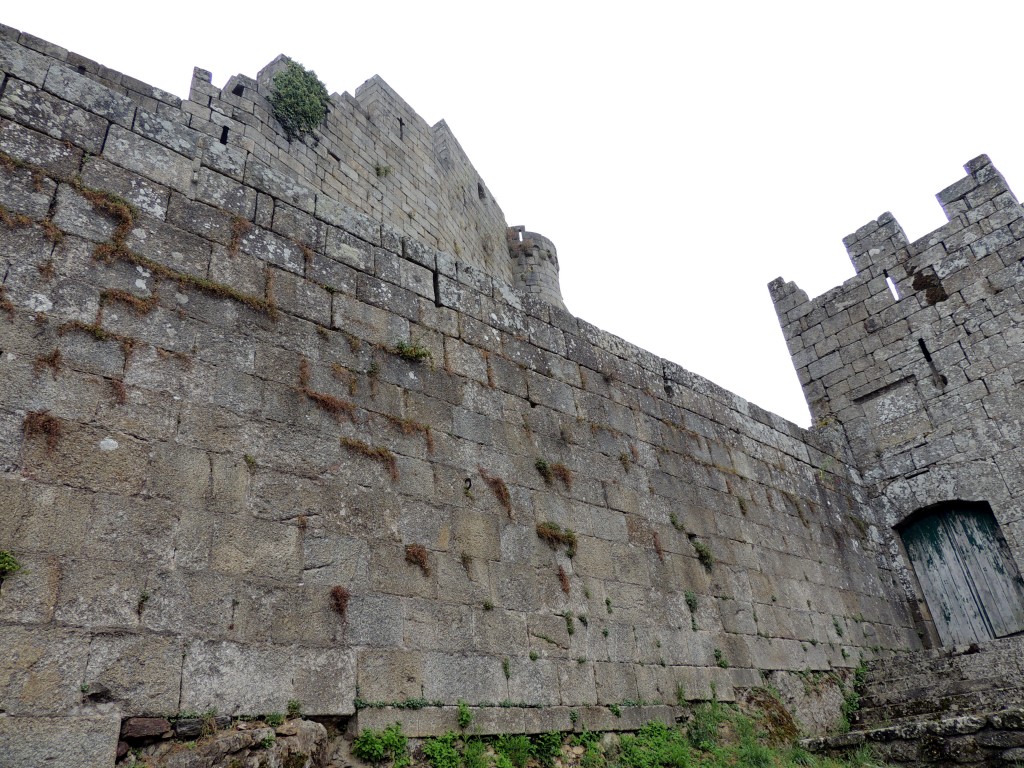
[{"x": 299, "y": 100}]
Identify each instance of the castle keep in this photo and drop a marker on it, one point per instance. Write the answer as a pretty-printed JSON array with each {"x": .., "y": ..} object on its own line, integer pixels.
[{"x": 307, "y": 420}]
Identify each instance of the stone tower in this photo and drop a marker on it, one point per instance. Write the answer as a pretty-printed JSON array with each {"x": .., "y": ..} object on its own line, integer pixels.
[{"x": 535, "y": 265}]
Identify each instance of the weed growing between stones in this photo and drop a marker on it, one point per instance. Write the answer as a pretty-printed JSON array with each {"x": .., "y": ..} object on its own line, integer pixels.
[
  {"x": 564, "y": 474},
  {"x": 658, "y": 548},
  {"x": 354, "y": 343},
  {"x": 335, "y": 406},
  {"x": 563, "y": 579},
  {"x": 465, "y": 716},
  {"x": 167, "y": 354},
  {"x": 339, "y": 600},
  {"x": 417, "y": 555},
  {"x": 52, "y": 361},
  {"x": 474, "y": 754},
  {"x": 388, "y": 745},
  {"x": 851, "y": 697},
  {"x": 117, "y": 208},
  {"x": 98, "y": 332},
  {"x": 704, "y": 553},
  {"x": 499, "y": 489},
  {"x": 294, "y": 709},
  {"x": 410, "y": 427},
  {"x": 570, "y": 627},
  {"x": 43, "y": 423},
  {"x": 441, "y": 751},
  {"x": 555, "y": 535},
  {"x": 379, "y": 453},
  {"x": 551, "y": 471},
  {"x": 6, "y": 305},
  {"x": 13, "y": 220},
  {"x": 137, "y": 304},
  {"x": 343, "y": 374},
  {"x": 267, "y": 742},
  {"x": 9, "y": 565},
  {"x": 414, "y": 352},
  {"x": 720, "y": 659},
  {"x": 52, "y": 233},
  {"x": 239, "y": 228},
  {"x": 118, "y": 391},
  {"x": 545, "y": 748},
  {"x": 299, "y": 100},
  {"x": 516, "y": 749},
  {"x": 692, "y": 605}
]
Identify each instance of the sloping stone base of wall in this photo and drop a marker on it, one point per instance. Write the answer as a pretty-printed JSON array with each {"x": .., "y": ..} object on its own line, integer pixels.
[{"x": 995, "y": 739}]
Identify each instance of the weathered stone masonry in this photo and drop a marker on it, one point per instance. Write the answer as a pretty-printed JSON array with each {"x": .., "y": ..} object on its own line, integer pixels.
[{"x": 215, "y": 411}]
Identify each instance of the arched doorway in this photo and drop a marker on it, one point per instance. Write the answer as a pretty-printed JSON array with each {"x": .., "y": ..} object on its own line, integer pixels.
[{"x": 969, "y": 579}]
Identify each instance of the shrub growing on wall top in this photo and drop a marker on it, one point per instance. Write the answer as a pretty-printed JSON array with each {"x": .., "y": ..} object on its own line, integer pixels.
[{"x": 299, "y": 99}]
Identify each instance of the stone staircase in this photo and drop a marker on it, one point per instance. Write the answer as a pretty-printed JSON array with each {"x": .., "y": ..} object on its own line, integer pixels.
[
  {"x": 943, "y": 683},
  {"x": 946, "y": 706}
]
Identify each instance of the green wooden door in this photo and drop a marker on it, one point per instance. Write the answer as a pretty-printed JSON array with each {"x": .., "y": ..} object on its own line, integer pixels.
[{"x": 969, "y": 580}]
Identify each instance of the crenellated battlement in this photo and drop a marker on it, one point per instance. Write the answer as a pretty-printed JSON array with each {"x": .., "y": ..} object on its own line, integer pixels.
[{"x": 868, "y": 332}]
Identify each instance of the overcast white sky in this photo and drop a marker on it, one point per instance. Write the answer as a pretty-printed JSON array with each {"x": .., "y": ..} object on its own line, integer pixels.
[{"x": 680, "y": 155}]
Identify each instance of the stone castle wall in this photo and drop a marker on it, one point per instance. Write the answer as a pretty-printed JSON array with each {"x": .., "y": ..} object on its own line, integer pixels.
[
  {"x": 258, "y": 443},
  {"x": 925, "y": 383}
]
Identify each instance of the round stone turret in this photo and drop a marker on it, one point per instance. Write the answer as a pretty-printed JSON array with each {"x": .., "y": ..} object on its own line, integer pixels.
[{"x": 535, "y": 265}]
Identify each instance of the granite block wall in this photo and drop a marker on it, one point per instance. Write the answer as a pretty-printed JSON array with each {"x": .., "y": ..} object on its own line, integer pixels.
[{"x": 257, "y": 443}]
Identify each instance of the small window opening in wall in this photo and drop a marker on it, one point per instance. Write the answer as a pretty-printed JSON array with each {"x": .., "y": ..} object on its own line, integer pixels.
[
  {"x": 401, "y": 128},
  {"x": 892, "y": 285},
  {"x": 520, "y": 233},
  {"x": 437, "y": 290},
  {"x": 224, "y": 135},
  {"x": 480, "y": 191},
  {"x": 924, "y": 349},
  {"x": 940, "y": 379},
  {"x": 238, "y": 90},
  {"x": 81, "y": 69}
]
